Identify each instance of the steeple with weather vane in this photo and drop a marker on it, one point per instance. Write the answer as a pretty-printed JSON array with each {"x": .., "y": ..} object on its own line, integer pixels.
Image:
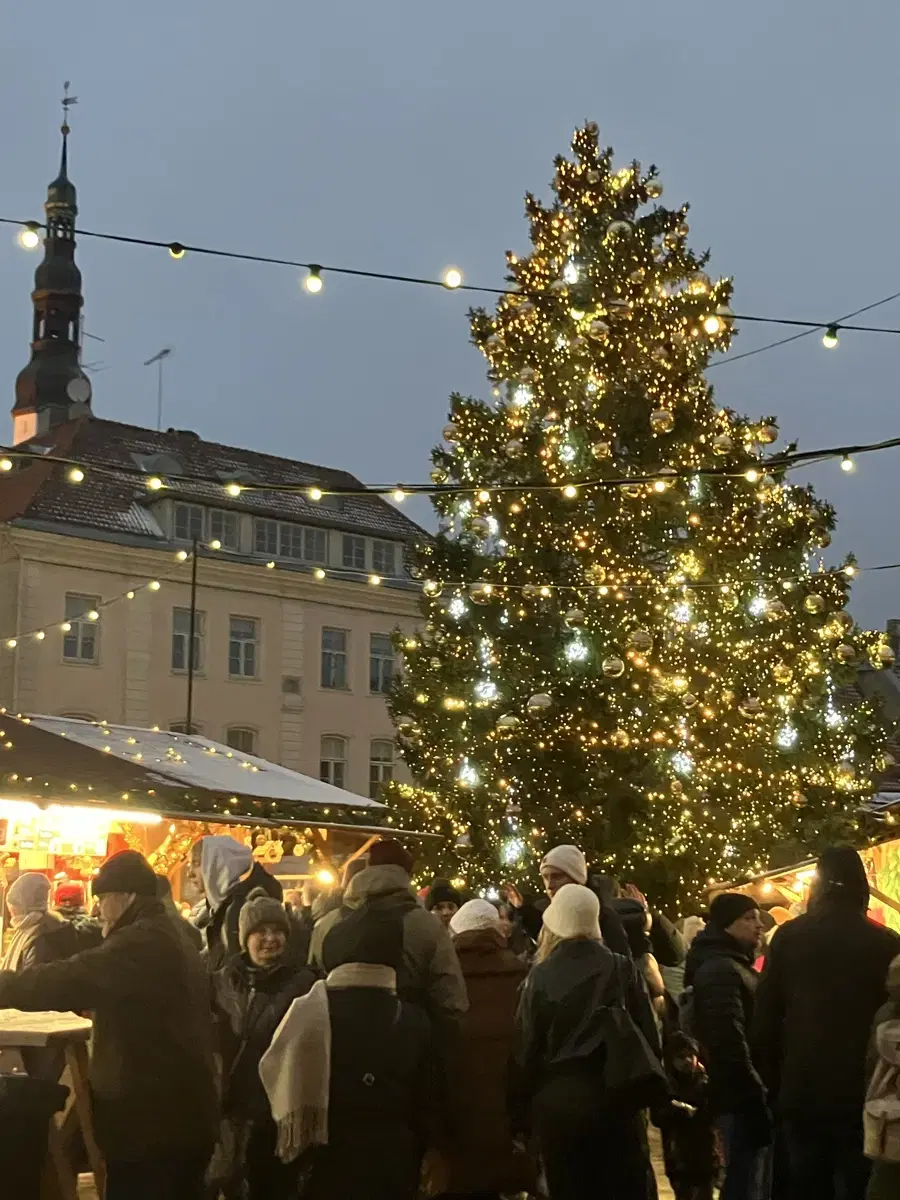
[{"x": 53, "y": 387}]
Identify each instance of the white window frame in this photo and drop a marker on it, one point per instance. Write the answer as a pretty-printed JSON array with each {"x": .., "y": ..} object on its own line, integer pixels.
[
  {"x": 381, "y": 663},
  {"x": 353, "y": 552},
  {"x": 333, "y": 764},
  {"x": 243, "y": 729},
  {"x": 381, "y": 769},
  {"x": 384, "y": 557},
  {"x": 182, "y": 635},
  {"x": 79, "y": 625},
  {"x": 329, "y": 659},
  {"x": 229, "y": 528},
  {"x": 194, "y": 508},
  {"x": 242, "y": 643},
  {"x": 269, "y": 529}
]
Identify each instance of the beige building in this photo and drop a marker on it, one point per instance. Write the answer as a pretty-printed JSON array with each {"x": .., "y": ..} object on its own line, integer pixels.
[{"x": 297, "y": 593}]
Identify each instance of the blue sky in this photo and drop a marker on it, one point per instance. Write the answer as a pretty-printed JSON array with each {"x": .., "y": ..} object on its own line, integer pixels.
[{"x": 401, "y": 137}]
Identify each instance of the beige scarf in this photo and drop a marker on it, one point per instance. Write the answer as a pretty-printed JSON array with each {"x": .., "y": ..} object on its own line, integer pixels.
[
  {"x": 296, "y": 1069},
  {"x": 21, "y": 940}
]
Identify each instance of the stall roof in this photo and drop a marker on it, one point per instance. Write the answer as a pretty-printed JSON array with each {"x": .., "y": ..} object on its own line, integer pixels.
[{"x": 44, "y": 757}]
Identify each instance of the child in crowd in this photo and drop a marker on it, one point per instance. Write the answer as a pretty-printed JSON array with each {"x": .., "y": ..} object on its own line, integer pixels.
[{"x": 688, "y": 1138}]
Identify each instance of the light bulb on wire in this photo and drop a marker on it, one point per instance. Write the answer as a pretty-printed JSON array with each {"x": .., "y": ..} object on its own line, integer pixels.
[
  {"x": 847, "y": 463},
  {"x": 452, "y": 277},
  {"x": 313, "y": 281},
  {"x": 176, "y": 250},
  {"x": 29, "y": 237},
  {"x": 830, "y": 337}
]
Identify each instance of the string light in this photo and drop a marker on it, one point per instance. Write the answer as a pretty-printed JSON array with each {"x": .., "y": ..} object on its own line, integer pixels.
[
  {"x": 830, "y": 337},
  {"x": 155, "y": 484},
  {"x": 29, "y": 236},
  {"x": 176, "y": 250},
  {"x": 6, "y": 464},
  {"x": 847, "y": 463},
  {"x": 453, "y": 277},
  {"x": 75, "y": 475},
  {"x": 313, "y": 281}
]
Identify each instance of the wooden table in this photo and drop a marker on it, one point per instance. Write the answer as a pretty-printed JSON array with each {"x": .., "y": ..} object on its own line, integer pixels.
[{"x": 24, "y": 1031}]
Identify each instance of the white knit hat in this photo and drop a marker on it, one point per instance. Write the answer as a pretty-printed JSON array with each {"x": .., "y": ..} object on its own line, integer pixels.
[
  {"x": 30, "y": 893},
  {"x": 475, "y": 914},
  {"x": 574, "y": 912},
  {"x": 569, "y": 860}
]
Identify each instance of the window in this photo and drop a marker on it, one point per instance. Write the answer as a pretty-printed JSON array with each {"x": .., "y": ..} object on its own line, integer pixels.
[
  {"x": 265, "y": 537},
  {"x": 334, "y": 658},
  {"x": 300, "y": 542},
  {"x": 238, "y": 737},
  {"x": 181, "y": 633},
  {"x": 82, "y": 628},
  {"x": 183, "y": 727},
  {"x": 384, "y": 557},
  {"x": 243, "y": 647},
  {"x": 79, "y": 716},
  {"x": 224, "y": 527},
  {"x": 188, "y": 523},
  {"x": 333, "y": 761},
  {"x": 381, "y": 766},
  {"x": 381, "y": 662},
  {"x": 354, "y": 552}
]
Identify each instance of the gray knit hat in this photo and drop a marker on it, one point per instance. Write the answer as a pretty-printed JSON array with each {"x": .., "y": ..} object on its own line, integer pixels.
[{"x": 261, "y": 909}]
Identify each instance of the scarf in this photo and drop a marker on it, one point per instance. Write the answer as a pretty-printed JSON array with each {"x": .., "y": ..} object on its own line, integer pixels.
[
  {"x": 296, "y": 1069},
  {"x": 22, "y": 938}
]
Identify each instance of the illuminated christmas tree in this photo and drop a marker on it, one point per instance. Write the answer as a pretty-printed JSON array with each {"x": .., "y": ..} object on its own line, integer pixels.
[{"x": 630, "y": 641}]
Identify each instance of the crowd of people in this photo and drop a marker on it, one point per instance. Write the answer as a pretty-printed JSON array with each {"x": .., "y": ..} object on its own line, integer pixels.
[{"x": 374, "y": 1043}]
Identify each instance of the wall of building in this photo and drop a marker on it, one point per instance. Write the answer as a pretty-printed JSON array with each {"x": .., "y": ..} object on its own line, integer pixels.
[{"x": 130, "y": 678}]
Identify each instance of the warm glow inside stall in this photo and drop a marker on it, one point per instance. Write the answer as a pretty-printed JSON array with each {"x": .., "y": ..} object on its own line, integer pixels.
[{"x": 73, "y": 792}]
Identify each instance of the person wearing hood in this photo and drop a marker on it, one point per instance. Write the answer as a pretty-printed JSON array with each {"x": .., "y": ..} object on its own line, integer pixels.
[
  {"x": 585, "y": 1137},
  {"x": 151, "y": 1077},
  {"x": 39, "y": 936},
  {"x": 823, "y": 984},
  {"x": 478, "y": 1153},
  {"x": 229, "y": 874},
  {"x": 349, "y": 1072},
  {"x": 443, "y": 900},
  {"x": 722, "y": 982},
  {"x": 251, "y": 994},
  {"x": 559, "y": 866},
  {"x": 429, "y": 973},
  {"x": 881, "y": 1115}
]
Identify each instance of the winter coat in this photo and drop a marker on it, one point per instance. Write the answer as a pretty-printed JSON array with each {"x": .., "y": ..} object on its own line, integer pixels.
[
  {"x": 51, "y": 940},
  {"x": 221, "y": 931},
  {"x": 823, "y": 983},
  {"x": 430, "y": 973},
  {"x": 555, "y": 1015},
  {"x": 381, "y": 1098},
  {"x": 151, "y": 1072},
  {"x": 614, "y": 935},
  {"x": 479, "y": 1154},
  {"x": 249, "y": 1003},
  {"x": 721, "y": 973}
]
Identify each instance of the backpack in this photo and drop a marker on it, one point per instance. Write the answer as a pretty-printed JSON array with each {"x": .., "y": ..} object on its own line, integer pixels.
[
  {"x": 687, "y": 1013},
  {"x": 881, "y": 1113}
]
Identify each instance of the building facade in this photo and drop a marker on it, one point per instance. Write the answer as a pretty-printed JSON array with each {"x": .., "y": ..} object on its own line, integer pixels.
[{"x": 155, "y": 579}]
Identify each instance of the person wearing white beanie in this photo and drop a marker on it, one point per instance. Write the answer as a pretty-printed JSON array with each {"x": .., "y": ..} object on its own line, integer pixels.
[
  {"x": 562, "y": 865},
  {"x": 40, "y": 936},
  {"x": 583, "y": 1132},
  {"x": 475, "y": 914}
]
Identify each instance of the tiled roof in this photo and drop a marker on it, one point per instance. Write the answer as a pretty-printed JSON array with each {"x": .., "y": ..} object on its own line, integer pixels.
[{"x": 114, "y": 502}]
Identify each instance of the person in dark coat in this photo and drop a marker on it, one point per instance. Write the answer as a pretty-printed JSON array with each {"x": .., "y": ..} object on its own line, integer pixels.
[
  {"x": 443, "y": 900},
  {"x": 349, "y": 1074},
  {"x": 477, "y": 1149},
  {"x": 882, "y": 1142},
  {"x": 685, "y": 1122},
  {"x": 251, "y": 994},
  {"x": 720, "y": 972},
  {"x": 823, "y": 983},
  {"x": 151, "y": 1074},
  {"x": 229, "y": 874},
  {"x": 559, "y": 1090},
  {"x": 562, "y": 865}
]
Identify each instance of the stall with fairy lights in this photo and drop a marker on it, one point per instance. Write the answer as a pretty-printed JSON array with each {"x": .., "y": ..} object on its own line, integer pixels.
[{"x": 72, "y": 792}]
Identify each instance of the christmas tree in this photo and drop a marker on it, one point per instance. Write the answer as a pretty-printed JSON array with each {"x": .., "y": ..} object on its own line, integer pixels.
[{"x": 630, "y": 641}]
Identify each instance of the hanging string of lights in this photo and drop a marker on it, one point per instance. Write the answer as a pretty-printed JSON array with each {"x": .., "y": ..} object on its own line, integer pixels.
[
  {"x": 77, "y": 471},
  {"x": 29, "y": 237}
]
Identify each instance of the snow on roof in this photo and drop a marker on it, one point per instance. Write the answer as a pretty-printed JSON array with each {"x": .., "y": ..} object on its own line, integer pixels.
[{"x": 196, "y": 762}]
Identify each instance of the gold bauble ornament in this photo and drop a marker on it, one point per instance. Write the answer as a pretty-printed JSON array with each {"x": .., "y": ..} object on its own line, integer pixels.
[
  {"x": 845, "y": 772},
  {"x": 728, "y": 697},
  {"x": 750, "y": 707},
  {"x": 723, "y": 443},
  {"x": 799, "y": 800},
  {"x": 766, "y": 434},
  {"x": 598, "y": 330},
  {"x": 814, "y": 603},
  {"x": 595, "y": 574},
  {"x": 782, "y": 672},
  {"x": 843, "y": 620},
  {"x": 602, "y": 450},
  {"x": 620, "y": 739},
  {"x": 653, "y": 188},
  {"x": 884, "y": 655},
  {"x": 699, "y": 283},
  {"x": 481, "y": 592},
  {"x": 640, "y": 640},
  {"x": 574, "y": 617},
  {"x": 619, "y": 229},
  {"x": 845, "y": 652},
  {"x": 529, "y": 591},
  {"x": 435, "y": 663},
  {"x": 633, "y": 491},
  {"x": 689, "y": 700},
  {"x": 612, "y": 667},
  {"x": 539, "y": 702},
  {"x": 494, "y": 342},
  {"x": 775, "y": 610},
  {"x": 480, "y": 527},
  {"x": 432, "y": 588},
  {"x": 662, "y": 420},
  {"x": 508, "y": 721},
  {"x": 676, "y": 786},
  {"x": 439, "y": 475},
  {"x": 450, "y": 432}
]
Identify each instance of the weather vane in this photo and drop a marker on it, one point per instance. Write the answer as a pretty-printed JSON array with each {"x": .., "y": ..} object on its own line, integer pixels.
[{"x": 67, "y": 102}]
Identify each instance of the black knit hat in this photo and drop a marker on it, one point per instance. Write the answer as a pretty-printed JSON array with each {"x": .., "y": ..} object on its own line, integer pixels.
[
  {"x": 126, "y": 871},
  {"x": 841, "y": 876},
  {"x": 729, "y": 907},
  {"x": 442, "y": 892}
]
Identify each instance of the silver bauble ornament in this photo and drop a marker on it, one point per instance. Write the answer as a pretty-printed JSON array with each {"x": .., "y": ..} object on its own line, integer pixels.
[
  {"x": 558, "y": 286},
  {"x": 602, "y": 450},
  {"x": 515, "y": 449},
  {"x": 640, "y": 640},
  {"x": 578, "y": 345},
  {"x": 884, "y": 655},
  {"x": 814, "y": 603},
  {"x": 593, "y": 176},
  {"x": 843, "y": 620},
  {"x": 538, "y": 702},
  {"x": 481, "y": 592},
  {"x": 689, "y": 700},
  {"x": 619, "y": 229},
  {"x": 751, "y": 707},
  {"x": 574, "y": 617},
  {"x": 480, "y": 527},
  {"x": 598, "y": 330},
  {"x": 450, "y": 432},
  {"x": 405, "y": 723},
  {"x": 775, "y": 610},
  {"x": 435, "y": 663},
  {"x": 432, "y": 588},
  {"x": 529, "y": 591},
  {"x": 653, "y": 188},
  {"x": 662, "y": 420},
  {"x": 494, "y": 342},
  {"x": 766, "y": 434},
  {"x": 464, "y": 841},
  {"x": 723, "y": 443},
  {"x": 845, "y": 652},
  {"x": 439, "y": 475},
  {"x": 612, "y": 667},
  {"x": 508, "y": 721}
]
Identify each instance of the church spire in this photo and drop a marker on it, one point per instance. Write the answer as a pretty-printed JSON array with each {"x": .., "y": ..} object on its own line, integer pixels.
[{"x": 52, "y": 388}]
